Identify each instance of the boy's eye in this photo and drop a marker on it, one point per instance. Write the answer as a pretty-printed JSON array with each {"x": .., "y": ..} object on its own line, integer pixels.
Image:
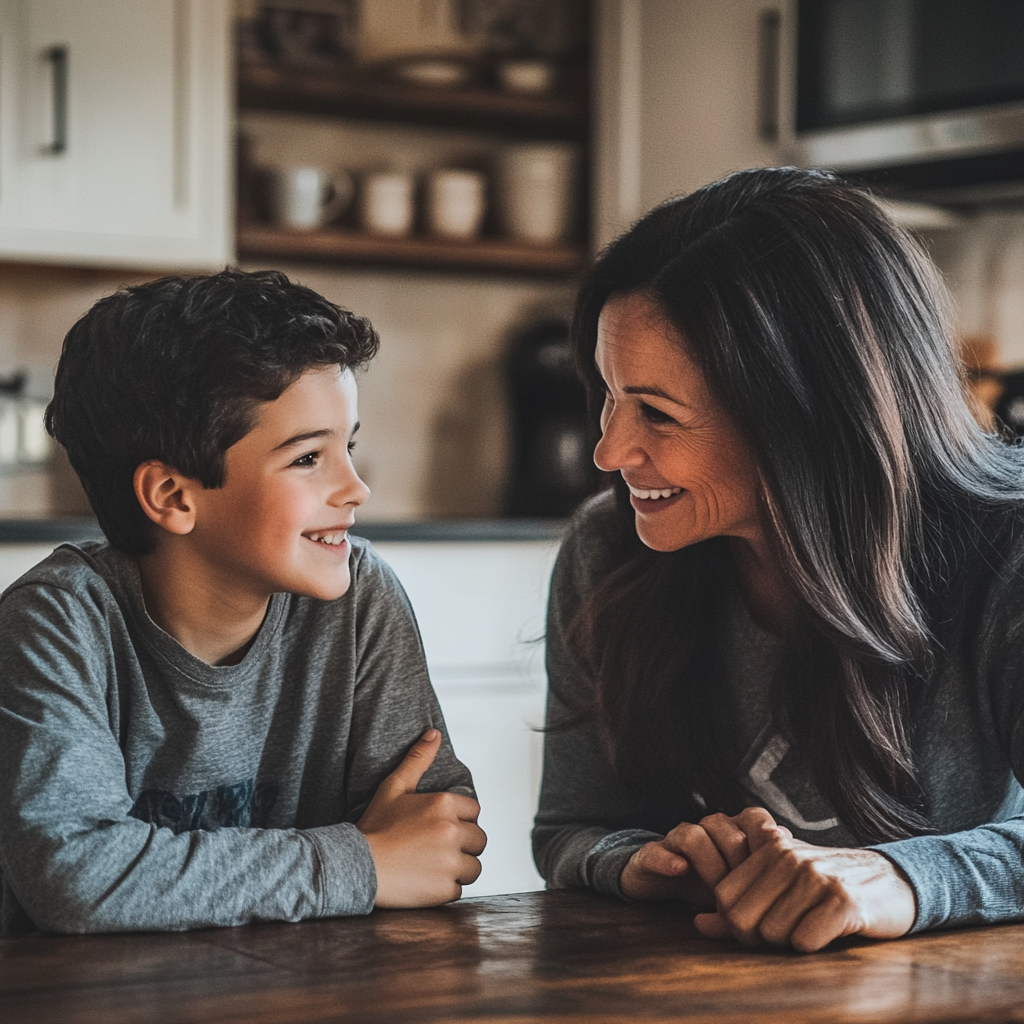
[
  {"x": 351, "y": 446},
  {"x": 309, "y": 459}
]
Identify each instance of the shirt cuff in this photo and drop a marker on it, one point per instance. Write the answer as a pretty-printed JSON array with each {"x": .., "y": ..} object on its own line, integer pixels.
[
  {"x": 964, "y": 878},
  {"x": 347, "y": 873},
  {"x": 608, "y": 857}
]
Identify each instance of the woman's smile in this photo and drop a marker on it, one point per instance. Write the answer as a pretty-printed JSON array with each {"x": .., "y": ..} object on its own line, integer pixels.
[{"x": 652, "y": 500}]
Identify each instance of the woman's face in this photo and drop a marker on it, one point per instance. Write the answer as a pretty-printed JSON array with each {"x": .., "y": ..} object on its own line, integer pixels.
[{"x": 689, "y": 473}]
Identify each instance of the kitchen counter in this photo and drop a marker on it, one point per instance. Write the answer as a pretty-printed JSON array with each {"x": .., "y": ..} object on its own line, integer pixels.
[{"x": 60, "y": 530}]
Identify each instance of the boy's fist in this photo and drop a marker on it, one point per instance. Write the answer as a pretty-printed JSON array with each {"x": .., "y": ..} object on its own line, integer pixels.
[{"x": 424, "y": 845}]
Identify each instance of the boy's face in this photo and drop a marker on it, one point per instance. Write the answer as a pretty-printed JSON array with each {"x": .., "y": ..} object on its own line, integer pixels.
[{"x": 290, "y": 492}]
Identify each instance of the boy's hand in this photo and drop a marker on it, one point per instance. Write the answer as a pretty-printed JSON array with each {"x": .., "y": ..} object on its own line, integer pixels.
[{"x": 424, "y": 845}]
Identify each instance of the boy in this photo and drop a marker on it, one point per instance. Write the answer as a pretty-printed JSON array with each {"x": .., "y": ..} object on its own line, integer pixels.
[{"x": 203, "y": 721}]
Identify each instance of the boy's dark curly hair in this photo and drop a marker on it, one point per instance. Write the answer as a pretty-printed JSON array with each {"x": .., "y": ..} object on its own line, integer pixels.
[{"x": 175, "y": 370}]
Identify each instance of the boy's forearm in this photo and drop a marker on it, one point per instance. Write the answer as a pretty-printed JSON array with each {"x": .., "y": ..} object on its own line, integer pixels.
[{"x": 131, "y": 876}]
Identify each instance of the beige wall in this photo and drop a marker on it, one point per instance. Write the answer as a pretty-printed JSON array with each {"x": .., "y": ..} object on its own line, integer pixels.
[
  {"x": 699, "y": 90},
  {"x": 434, "y": 439}
]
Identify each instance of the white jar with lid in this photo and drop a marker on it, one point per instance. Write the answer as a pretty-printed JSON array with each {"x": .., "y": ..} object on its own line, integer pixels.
[{"x": 536, "y": 191}]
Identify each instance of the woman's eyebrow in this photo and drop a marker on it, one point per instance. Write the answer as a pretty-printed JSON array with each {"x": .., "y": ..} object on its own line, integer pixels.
[{"x": 653, "y": 389}]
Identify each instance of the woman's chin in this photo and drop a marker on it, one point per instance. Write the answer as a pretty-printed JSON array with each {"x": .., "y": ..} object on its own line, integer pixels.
[{"x": 664, "y": 537}]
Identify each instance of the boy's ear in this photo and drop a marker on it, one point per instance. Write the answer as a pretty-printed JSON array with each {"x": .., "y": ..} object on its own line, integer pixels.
[{"x": 166, "y": 496}]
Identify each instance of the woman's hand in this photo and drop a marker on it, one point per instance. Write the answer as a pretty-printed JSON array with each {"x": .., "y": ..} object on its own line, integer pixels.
[
  {"x": 692, "y": 859},
  {"x": 656, "y": 872},
  {"x": 787, "y": 892}
]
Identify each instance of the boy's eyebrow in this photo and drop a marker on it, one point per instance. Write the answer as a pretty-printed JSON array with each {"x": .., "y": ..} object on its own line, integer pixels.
[{"x": 307, "y": 436}]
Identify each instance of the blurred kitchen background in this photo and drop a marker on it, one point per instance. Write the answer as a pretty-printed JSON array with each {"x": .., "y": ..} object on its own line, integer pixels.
[{"x": 447, "y": 168}]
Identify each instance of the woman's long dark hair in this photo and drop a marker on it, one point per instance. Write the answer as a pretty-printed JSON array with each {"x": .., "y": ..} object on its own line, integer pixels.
[{"x": 821, "y": 329}]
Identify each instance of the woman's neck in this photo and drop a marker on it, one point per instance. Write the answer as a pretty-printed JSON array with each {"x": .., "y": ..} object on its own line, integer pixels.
[{"x": 769, "y": 597}]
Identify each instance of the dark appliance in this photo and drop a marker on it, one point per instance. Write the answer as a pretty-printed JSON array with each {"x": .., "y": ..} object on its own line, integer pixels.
[
  {"x": 1009, "y": 408},
  {"x": 919, "y": 98},
  {"x": 552, "y": 436}
]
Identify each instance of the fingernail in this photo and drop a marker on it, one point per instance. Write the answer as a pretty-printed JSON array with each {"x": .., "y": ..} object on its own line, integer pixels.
[{"x": 431, "y": 734}]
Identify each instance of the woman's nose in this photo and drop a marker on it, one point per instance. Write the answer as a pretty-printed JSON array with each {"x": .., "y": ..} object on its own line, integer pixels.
[{"x": 618, "y": 447}]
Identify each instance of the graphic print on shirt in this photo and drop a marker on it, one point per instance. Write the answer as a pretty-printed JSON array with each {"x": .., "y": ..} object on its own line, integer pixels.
[
  {"x": 241, "y": 805},
  {"x": 773, "y": 775}
]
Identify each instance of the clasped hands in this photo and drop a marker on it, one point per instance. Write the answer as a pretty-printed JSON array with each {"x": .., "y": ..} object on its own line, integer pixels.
[{"x": 756, "y": 883}]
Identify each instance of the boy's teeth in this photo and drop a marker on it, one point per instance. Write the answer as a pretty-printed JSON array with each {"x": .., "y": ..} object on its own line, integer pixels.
[
  {"x": 328, "y": 538},
  {"x": 664, "y": 492}
]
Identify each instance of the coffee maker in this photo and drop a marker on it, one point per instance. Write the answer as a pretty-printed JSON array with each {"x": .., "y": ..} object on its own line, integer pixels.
[{"x": 553, "y": 436}]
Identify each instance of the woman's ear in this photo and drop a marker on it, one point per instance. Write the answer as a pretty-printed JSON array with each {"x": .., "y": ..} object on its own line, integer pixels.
[{"x": 166, "y": 496}]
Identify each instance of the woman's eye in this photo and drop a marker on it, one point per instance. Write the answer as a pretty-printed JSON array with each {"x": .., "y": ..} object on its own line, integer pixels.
[
  {"x": 351, "y": 446},
  {"x": 309, "y": 459},
  {"x": 653, "y": 415}
]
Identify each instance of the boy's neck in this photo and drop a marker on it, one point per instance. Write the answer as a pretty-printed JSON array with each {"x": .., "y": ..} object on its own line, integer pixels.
[{"x": 189, "y": 601}]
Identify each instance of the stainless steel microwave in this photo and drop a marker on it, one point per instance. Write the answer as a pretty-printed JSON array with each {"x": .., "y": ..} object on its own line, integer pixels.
[{"x": 916, "y": 97}]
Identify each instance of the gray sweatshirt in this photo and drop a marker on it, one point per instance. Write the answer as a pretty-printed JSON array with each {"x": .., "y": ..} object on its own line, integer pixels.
[
  {"x": 141, "y": 788},
  {"x": 968, "y": 748}
]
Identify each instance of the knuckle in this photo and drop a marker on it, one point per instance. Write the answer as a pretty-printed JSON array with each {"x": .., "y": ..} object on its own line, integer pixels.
[
  {"x": 723, "y": 898},
  {"x": 808, "y": 871},
  {"x": 441, "y": 803},
  {"x": 773, "y": 934},
  {"x": 789, "y": 858},
  {"x": 713, "y": 820}
]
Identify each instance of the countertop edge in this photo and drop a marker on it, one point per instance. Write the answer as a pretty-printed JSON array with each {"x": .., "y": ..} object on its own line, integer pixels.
[{"x": 63, "y": 530}]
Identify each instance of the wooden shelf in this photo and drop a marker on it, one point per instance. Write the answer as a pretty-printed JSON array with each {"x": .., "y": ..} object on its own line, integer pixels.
[
  {"x": 272, "y": 87},
  {"x": 490, "y": 254}
]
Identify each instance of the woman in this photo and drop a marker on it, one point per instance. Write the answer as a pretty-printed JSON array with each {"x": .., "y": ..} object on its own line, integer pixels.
[{"x": 785, "y": 654}]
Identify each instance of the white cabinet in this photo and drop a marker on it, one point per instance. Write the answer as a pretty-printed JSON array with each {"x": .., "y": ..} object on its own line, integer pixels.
[
  {"x": 115, "y": 127},
  {"x": 481, "y": 609}
]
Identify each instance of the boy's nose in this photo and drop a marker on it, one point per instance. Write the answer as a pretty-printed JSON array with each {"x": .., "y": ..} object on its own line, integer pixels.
[{"x": 350, "y": 490}]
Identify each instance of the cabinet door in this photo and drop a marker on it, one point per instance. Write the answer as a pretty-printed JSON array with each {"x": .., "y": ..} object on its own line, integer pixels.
[
  {"x": 114, "y": 132},
  {"x": 481, "y": 608}
]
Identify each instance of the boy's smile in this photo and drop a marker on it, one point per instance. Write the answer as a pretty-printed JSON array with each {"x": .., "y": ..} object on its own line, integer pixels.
[{"x": 279, "y": 523}]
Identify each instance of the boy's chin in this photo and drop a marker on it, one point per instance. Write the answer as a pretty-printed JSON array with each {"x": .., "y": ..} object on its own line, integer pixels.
[{"x": 327, "y": 591}]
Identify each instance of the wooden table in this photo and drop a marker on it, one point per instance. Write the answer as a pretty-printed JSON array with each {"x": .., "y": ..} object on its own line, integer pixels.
[{"x": 546, "y": 956}]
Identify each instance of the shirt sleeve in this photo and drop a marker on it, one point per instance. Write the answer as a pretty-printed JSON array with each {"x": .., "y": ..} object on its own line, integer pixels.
[
  {"x": 394, "y": 702},
  {"x": 585, "y": 827},
  {"x": 976, "y": 876},
  {"x": 70, "y": 851}
]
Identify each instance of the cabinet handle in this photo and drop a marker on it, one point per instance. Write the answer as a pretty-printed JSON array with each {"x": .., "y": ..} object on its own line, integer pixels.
[
  {"x": 57, "y": 58},
  {"x": 769, "y": 32}
]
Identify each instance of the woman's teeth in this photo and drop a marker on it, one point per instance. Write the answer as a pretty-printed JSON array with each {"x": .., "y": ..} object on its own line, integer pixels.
[
  {"x": 664, "y": 492},
  {"x": 328, "y": 538}
]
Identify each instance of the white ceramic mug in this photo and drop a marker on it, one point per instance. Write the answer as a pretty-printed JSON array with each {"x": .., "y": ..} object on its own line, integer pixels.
[
  {"x": 456, "y": 203},
  {"x": 305, "y": 198},
  {"x": 536, "y": 192},
  {"x": 388, "y": 206}
]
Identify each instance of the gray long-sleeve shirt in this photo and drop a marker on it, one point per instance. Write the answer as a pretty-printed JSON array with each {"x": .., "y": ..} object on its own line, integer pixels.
[
  {"x": 141, "y": 788},
  {"x": 968, "y": 747}
]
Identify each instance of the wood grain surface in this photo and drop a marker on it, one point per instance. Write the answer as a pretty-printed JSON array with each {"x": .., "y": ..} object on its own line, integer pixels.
[{"x": 567, "y": 957}]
